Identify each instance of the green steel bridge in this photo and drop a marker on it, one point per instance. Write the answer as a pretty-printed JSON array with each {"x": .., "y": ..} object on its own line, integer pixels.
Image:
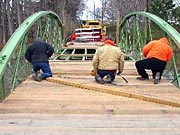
[
  {"x": 71, "y": 102},
  {"x": 136, "y": 29}
]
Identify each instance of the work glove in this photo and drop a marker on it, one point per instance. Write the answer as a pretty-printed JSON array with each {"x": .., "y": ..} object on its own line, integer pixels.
[
  {"x": 118, "y": 73},
  {"x": 93, "y": 72}
]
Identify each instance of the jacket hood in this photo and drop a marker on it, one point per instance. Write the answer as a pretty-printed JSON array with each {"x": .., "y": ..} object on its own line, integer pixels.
[
  {"x": 109, "y": 42},
  {"x": 164, "y": 40}
]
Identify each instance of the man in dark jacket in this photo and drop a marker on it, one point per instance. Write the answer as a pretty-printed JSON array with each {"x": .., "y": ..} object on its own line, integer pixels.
[{"x": 38, "y": 54}]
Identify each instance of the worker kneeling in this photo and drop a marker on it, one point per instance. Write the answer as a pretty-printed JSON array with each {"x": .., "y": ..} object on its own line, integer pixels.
[
  {"x": 157, "y": 53},
  {"x": 107, "y": 60}
]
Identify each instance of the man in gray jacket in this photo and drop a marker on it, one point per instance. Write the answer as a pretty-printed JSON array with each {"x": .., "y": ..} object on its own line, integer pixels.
[{"x": 107, "y": 60}]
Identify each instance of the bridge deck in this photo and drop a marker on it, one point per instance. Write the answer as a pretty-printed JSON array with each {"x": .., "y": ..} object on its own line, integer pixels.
[{"x": 61, "y": 108}]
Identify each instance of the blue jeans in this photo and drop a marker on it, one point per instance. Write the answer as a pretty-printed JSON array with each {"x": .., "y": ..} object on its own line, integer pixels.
[
  {"x": 103, "y": 73},
  {"x": 44, "y": 66}
]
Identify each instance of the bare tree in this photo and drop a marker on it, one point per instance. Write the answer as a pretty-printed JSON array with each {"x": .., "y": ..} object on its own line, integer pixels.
[
  {"x": 18, "y": 12},
  {"x": 9, "y": 17},
  {"x": 14, "y": 12},
  {"x": 2, "y": 24}
]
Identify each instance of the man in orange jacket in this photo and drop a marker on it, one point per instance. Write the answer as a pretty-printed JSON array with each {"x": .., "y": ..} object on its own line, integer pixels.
[{"x": 157, "y": 53}]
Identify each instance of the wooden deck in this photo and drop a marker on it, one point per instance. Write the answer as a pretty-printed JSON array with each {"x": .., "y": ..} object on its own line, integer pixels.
[{"x": 76, "y": 105}]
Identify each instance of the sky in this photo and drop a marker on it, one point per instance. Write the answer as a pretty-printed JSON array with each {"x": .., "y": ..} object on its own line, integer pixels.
[{"x": 88, "y": 12}]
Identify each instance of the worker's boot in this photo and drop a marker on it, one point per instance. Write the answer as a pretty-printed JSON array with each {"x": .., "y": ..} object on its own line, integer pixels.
[
  {"x": 34, "y": 77},
  {"x": 99, "y": 79},
  {"x": 107, "y": 79},
  {"x": 37, "y": 77},
  {"x": 157, "y": 78}
]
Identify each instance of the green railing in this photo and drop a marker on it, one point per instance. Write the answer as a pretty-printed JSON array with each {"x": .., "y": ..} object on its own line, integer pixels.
[
  {"x": 138, "y": 28},
  {"x": 13, "y": 67}
]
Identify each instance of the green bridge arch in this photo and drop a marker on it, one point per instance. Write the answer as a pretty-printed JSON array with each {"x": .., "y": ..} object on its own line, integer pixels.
[{"x": 13, "y": 67}]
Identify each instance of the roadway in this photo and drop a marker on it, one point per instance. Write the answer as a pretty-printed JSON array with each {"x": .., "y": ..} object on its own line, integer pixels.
[{"x": 72, "y": 103}]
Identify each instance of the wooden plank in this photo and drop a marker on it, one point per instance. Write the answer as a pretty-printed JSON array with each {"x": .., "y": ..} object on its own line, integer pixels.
[
  {"x": 43, "y": 124},
  {"x": 31, "y": 97},
  {"x": 49, "y": 108}
]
